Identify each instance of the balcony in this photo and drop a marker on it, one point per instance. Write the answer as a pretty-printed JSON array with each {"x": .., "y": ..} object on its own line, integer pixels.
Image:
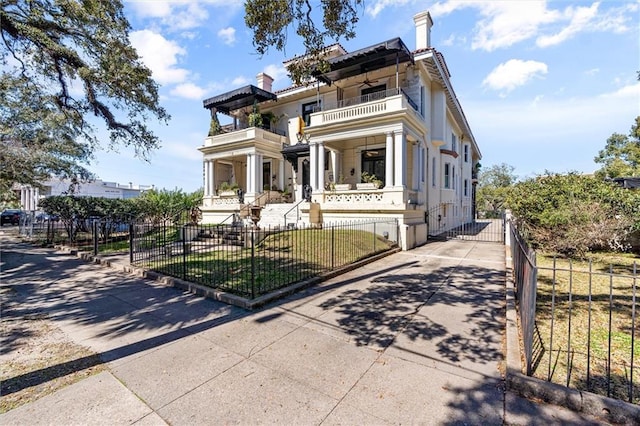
[
  {"x": 249, "y": 134},
  {"x": 366, "y": 106}
]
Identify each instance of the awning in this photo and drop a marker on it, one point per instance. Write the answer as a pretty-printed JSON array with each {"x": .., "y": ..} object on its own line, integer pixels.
[
  {"x": 292, "y": 152},
  {"x": 370, "y": 58},
  {"x": 239, "y": 98}
]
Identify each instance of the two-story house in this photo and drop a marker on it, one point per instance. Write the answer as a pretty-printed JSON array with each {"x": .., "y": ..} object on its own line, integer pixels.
[{"x": 380, "y": 134}]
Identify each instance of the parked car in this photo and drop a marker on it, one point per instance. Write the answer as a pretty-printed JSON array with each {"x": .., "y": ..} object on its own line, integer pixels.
[
  {"x": 45, "y": 217},
  {"x": 11, "y": 216}
]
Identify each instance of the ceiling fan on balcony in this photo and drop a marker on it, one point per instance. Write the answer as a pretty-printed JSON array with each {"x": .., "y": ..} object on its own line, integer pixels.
[{"x": 367, "y": 82}]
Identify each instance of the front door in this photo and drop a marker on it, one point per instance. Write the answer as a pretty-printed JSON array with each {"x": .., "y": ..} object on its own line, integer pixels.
[{"x": 306, "y": 173}]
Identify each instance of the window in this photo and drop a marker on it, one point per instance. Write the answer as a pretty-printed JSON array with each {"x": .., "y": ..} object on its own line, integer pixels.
[
  {"x": 447, "y": 178},
  {"x": 466, "y": 187},
  {"x": 423, "y": 101},
  {"x": 453, "y": 177},
  {"x": 373, "y": 162},
  {"x": 466, "y": 153},
  {"x": 433, "y": 171},
  {"x": 454, "y": 143},
  {"x": 423, "y": 165},
  {"x": 307, "y": 110}
]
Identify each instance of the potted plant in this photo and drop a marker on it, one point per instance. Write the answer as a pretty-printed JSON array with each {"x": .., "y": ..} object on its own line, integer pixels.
[
  {"x": 341, "y": 185},
  {"x": 255, "y": 118},
  {"x": 214, "y": 128},
  {"x": 227, "y": 189},
  {"x": 369, "y": 181}
]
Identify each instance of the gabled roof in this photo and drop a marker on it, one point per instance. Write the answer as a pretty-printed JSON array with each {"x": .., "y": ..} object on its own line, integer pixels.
[
  {"x": 368, "y": 59},
  {"x": 238, "y": 98}
]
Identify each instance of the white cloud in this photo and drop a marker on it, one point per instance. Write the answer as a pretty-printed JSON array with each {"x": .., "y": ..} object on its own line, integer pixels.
[
  {"x": 228, "y": 35},
  {"x": 581, "y": 18},
  {"x": 160, "y": 55},
  {"x": 240, "y": 81},
  {"x": 514, "y": 73},
  {"x": 631, "y": 92},
  {"x": 180, "y": 14},
  {"x": 377, "y": 6},
  {"x": 505, "y": 23},
  {"x": 188, "y": 91},
  {"x": 277, "y": 71}
]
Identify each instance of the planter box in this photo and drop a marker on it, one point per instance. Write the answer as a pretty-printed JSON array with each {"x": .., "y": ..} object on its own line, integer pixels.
[
  {"x": 229, "y": 193},
  {"x": 367, "y": 185},
  {"x": 342, "y": 186}
]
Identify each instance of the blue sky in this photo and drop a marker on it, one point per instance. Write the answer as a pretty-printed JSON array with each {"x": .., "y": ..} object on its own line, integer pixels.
[{"x": 543, "y": 84}]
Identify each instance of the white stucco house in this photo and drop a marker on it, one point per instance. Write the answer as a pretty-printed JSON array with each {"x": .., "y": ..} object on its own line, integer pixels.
[
  {"x": 30, "y": 196},
  {"x": 383, "y": 110}
]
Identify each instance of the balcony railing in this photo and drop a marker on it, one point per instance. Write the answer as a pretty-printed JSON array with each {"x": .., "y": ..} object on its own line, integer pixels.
[
  {"x": 362, "y": 106},
  {"x": 248, "y": 133}
]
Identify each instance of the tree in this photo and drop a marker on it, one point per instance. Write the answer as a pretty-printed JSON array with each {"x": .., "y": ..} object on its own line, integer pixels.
[
  {"x": 168, "y": 205},
  {"x": 574, "y": 213},
  {"x": 621, "y": 155},
  {"x": 270, "y": 20},
  {"x": 493, "y": 186},
  {"x": 64, "y": 62}
]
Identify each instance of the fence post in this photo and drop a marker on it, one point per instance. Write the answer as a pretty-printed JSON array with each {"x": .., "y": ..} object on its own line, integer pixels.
[
  {"x": 184, "y": 252},
  {"x": 374, "y": 237},
  {"x": 94, "y": 231},
  {"x": 333, "y": 248},
  {"x": 253, "y": 264},
  {"x": 130, "y": 243}
]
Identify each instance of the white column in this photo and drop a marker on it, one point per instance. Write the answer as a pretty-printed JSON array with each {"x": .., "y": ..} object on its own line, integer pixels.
[
  {"x": 388, "y": 164},
  {"x": 281, "y": 175},
  {"x": 212, "y": 176},
  {"x": 206, "y": 183},
  {"x": 23, "y": 197},
  {"x": 321, "y": 166},
  {"x": 251, "y": 169},
  {"x": 400, "y": 143},
  {"x": 334, "y": 165},
  {"x": 258, "y": 173},
  {"x": 313, "y": 166},
  {"x": 415, "y": 178}
]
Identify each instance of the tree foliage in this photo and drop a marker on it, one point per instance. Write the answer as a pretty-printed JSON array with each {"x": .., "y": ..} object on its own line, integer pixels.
[
  {"x": 493, "y": 186},
  {"x": 621, "y": 155},
  {"x": 573, "y": 213},
  {"x": 330, "y": 20},
  {"x": 168, "y": 205},
  {"x": 64, "y": 62}
]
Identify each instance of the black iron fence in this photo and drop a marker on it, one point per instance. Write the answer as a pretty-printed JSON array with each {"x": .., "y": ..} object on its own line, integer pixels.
[
  {"x": 578, "y": 321},
  {"x": 253, "y": 262},
  {"x": 445, "y": 224},
  {"x": 93, "y": 234}
]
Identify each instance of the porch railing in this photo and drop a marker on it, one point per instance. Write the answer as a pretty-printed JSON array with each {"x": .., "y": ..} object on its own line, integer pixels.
[{"x": 358, "y": 100}]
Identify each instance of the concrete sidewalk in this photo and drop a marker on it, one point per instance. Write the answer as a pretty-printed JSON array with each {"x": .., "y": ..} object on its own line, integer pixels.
[{"x": 414, "y": 338}]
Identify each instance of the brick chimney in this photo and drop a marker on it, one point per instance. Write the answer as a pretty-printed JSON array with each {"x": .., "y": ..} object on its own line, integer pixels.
[
  {"x": 423, "y": 24},
  {"x": 265, "y": 81}
]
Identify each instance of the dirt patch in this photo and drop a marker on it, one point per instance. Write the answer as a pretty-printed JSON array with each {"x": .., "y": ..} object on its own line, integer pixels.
[{"x": 36, "y": 357}]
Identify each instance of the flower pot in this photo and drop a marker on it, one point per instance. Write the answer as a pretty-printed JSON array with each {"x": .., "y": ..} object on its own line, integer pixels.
[{"x": 367, "y": 185}]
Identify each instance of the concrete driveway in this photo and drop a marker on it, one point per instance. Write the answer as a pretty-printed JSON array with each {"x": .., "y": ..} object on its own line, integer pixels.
[{"x": 414, "y": 338}]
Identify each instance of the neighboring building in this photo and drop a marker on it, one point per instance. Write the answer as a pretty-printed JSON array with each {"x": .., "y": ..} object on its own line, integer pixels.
[
  {"x": 628, "y": 182},
  {"x": 383, "y": 110},
  {"x": 30, "y": 197}
]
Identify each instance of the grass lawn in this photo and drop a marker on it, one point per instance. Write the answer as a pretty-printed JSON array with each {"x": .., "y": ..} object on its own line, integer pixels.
[
  {"x": 281, "y": 259},
  {"x": 585, "y": 327}
]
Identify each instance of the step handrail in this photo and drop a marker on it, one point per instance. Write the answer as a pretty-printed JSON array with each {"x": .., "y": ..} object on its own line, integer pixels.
[{"x": 297, "y": 207}]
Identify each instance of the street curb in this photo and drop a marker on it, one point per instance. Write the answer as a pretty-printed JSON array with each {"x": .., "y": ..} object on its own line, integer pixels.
[
  {"x": 222, "y": 296},
  {"x": 607, "y": 409}
]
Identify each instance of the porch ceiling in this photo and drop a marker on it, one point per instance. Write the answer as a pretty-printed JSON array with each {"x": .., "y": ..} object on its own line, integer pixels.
[
  {"x": 369, "y": 59},
  {"x": 238, "y": 98}
]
